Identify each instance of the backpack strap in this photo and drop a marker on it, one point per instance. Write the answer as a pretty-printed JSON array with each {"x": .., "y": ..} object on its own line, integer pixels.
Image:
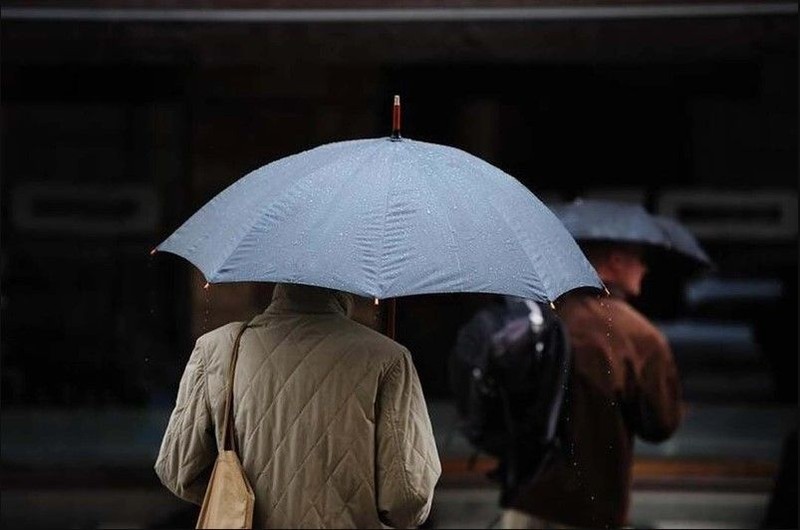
[{"x": 229, "y": 437}]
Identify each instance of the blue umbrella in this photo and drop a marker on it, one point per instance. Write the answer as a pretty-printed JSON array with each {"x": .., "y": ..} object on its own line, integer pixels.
[
  {"x": 682, "y": 241},
  {"x": 611, "y": 221},
  {"x": 383, "y": 218},
  {"x": 601, "y": 220}
]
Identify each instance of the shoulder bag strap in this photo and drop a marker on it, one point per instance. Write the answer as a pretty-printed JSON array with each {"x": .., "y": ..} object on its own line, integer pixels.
[{"x": 229, "y": 438}]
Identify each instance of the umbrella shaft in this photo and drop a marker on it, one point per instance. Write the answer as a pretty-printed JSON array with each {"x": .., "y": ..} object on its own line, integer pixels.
[{"x": 391, "y": 316}]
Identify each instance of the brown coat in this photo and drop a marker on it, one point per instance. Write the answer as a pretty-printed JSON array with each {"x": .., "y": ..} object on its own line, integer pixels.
[
  {"x": 332, "y": 427},
  {"x": 623, "y": 383}
]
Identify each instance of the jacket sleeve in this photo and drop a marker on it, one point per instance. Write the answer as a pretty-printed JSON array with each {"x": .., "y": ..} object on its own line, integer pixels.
[
  {"x": 407, "y": 463},
  {"x": 189, "y": 447},
  {"x": 657, "y": 409}
]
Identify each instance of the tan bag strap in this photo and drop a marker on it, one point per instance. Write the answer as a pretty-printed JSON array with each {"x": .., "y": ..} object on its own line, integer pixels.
[{"x": 229, "y": 437}]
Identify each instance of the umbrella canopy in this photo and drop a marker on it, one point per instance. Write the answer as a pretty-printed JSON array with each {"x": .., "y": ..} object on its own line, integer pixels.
[
  {"x": 612, "y": 221},
  {"x": 682, "y": 241},
  {"x": 600, "y": 220},
  {"x": 383, "y": 218}
]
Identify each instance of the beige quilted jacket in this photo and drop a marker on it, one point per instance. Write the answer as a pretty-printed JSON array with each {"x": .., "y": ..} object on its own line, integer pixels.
[{"x": 331, "y": 423}]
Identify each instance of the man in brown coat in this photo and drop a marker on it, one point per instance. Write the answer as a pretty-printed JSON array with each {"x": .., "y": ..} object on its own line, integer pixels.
[{"x": 623, "y": 383}]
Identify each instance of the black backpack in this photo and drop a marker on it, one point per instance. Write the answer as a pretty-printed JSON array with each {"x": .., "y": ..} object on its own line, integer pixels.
[{"x": 508, "y": 372}]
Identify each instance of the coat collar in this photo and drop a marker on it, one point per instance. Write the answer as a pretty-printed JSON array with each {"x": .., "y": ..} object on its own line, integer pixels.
[{"x": 296, "y": 298}]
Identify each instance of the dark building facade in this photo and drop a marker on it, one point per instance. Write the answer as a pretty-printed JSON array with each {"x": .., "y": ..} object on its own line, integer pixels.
[{"x": 116, "y": 126}]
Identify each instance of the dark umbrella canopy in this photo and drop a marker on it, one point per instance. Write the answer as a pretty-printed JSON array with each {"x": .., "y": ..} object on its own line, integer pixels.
[
  {"x": 682, "y": 241},
  {"x": 384, "y": 218},
  {"x": 600, "y": 220},
  {"x": 590, "y": 220}
]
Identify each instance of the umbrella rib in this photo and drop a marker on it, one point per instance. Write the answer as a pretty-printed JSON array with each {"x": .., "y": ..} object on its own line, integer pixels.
[
  {"x": 531, "y": 259},
  {"x": 266, "y": 209},
  {"x": 382, "y": 252},
  {"x": 354, "y": 181},
  {"x": 254, "y": 175},
  {"x": 446, "y": 214}
]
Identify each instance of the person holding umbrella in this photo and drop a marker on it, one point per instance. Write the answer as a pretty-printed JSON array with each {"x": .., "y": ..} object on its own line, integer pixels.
[
  {"x": 623, "y": 382},
  {"x": 320, "y": 400},
  {"x": 327, "y": 415}
]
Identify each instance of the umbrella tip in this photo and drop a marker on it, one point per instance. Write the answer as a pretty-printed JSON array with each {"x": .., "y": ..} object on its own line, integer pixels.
[
  {"x": 152, "y": 252},
  {"x": 376, "y": 301},
  {"x": 396, "y": 118},
  {"x": 206, "y": 286}
]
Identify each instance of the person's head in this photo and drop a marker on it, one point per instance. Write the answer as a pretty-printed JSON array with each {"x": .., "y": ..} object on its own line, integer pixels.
[
  {"x": 619, "y": 265},
  {"x": 317, "y": 296},
  {"x": 363, "y": 310}
]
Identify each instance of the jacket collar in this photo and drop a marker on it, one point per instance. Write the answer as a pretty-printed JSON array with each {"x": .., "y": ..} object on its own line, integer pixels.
[{"x": 296, "y": 298}]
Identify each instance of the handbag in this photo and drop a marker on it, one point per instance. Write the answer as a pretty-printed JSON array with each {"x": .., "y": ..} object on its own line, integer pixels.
[{"x": 229, "y": 499}]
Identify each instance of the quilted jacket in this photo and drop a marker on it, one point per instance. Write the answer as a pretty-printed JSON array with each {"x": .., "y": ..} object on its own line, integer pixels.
[{"x": 331, "y": 424}]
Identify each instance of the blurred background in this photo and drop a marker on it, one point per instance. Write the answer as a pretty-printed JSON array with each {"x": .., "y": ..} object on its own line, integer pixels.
[{"x": 121, "y": 118}]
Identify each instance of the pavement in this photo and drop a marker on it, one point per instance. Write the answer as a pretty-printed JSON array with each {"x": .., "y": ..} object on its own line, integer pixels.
[{"x": 93, "y": 469}]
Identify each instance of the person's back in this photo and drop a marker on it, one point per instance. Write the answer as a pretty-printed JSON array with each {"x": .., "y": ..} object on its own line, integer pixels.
[
  {"x": 623, "y": 383},
  {"x": 331, "y": 423}
]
